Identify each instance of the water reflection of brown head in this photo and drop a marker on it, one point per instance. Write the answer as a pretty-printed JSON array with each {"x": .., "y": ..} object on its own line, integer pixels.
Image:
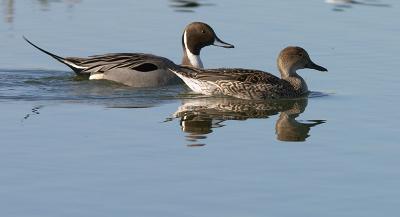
[{"x": 289, "y": 129}]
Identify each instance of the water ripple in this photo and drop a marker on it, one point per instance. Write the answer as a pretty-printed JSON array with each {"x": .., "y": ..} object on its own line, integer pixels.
[{"x": 50, "y": 85}]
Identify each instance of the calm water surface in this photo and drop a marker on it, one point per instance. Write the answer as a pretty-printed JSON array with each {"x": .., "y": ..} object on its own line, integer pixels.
[{"x": 72, "y": 147}]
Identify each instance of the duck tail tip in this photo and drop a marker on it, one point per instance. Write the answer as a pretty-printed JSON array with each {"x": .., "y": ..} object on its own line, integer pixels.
[{"x": 61, "y": 59}]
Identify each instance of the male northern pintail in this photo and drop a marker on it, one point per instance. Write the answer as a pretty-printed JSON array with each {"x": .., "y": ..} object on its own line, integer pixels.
[
  {"x": 143, "y": 70},
  {"x": 253, "y": 84}
]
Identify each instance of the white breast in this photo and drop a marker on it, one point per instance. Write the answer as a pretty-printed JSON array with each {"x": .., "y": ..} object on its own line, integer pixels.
[{"x": 198, "y": 86}]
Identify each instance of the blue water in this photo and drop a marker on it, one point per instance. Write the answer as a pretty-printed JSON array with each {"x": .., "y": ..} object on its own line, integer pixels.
[{"x": 72, "y": 147}]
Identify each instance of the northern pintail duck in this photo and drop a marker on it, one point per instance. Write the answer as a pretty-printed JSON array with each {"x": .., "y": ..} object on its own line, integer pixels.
[
  {"x": 253, "y": 84},
  {"x": 143, "y": 70}
]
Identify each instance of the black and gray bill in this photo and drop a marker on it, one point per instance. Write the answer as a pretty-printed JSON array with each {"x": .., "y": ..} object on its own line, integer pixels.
[{"x": 218, "y": 42}]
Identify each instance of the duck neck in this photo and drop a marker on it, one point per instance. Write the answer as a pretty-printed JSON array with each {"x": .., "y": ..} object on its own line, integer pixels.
[
  {"x": 290, "y": 75},
  {"x": 190, "y": 58}
]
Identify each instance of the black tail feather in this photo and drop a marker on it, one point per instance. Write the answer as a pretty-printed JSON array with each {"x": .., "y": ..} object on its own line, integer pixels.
[
  {"x": 58, "y": 58},
  {"x": 61, "y": 59}
]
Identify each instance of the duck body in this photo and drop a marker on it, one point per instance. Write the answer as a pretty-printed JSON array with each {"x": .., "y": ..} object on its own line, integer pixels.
[
  {"x": 253, "y": 84},
  {"x": 238, "y": 82},
  {"x": 132, "y": 69}
]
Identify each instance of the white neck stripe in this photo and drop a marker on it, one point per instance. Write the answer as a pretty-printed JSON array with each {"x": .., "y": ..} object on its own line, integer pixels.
[{"x": 194, "y": 59}]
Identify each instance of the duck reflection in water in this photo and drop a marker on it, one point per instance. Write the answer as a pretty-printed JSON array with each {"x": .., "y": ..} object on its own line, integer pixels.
[
  {"x": 288, "y": 128},
  {"x": 187, "y": 5},
  {"x": 340, "y": 5},
  {"x": 198, "y": 117},
  {"x": 9, "y": 7}
]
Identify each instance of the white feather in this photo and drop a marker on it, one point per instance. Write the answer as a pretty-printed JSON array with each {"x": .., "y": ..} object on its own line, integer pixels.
[
  {"x": 97, "y": 76},
  {"x": 197, "y": 86},
  {"x": 73, "y": 64}
]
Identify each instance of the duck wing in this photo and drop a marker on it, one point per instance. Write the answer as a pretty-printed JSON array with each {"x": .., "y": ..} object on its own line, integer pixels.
[{"x": 129, "y": 61}]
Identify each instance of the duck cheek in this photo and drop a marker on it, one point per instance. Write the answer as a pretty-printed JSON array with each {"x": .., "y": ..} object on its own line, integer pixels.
[{"x": 205, "y": 44}]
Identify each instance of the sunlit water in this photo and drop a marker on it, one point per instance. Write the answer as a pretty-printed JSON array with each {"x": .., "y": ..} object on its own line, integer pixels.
[{"x": 72, "y": 147}]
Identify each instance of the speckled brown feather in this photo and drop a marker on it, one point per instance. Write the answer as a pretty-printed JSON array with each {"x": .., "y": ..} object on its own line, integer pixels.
[{"x": 242, "y": 83}]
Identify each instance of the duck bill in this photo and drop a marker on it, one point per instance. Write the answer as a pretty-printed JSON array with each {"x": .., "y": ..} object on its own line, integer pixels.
[
  {"x": 218, "y": 42},
  {"x": 312, "y": 65}
]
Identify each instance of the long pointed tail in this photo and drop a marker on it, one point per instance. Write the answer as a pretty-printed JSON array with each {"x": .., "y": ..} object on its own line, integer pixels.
[{"x": 63, "y": 60}]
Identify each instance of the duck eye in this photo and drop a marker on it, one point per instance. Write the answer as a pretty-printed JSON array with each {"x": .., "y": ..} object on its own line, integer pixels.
[
  {"x": 301, "y": 54},
  {"x": 203, "y": 31}
]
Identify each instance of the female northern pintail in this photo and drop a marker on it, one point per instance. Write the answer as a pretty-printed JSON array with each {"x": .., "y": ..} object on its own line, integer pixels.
[
  {"x": 143, "y": 70},
  {"x": 253, "y": 84}
]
